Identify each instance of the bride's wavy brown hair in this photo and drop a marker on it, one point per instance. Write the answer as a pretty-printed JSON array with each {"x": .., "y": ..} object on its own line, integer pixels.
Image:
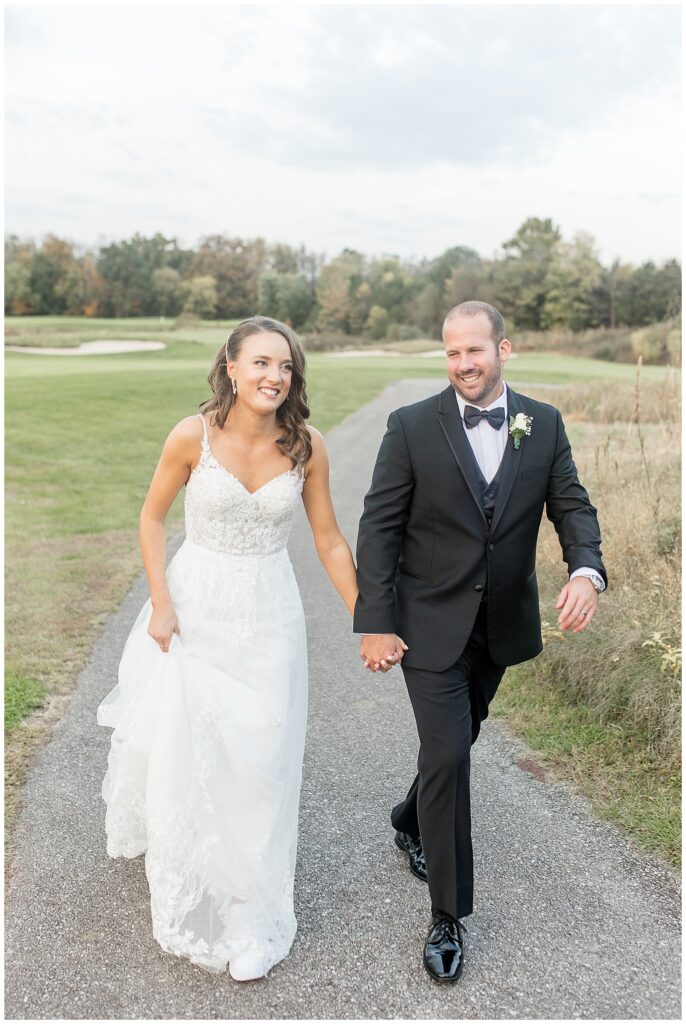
[{"x": 295, "y": 441}]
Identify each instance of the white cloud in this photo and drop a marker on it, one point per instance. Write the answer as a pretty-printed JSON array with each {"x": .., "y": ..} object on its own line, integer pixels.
[{"x": 386, "y": 129}]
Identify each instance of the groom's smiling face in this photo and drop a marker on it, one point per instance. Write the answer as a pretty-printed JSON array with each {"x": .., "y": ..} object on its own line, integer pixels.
[{"x": 475, "y": 362}]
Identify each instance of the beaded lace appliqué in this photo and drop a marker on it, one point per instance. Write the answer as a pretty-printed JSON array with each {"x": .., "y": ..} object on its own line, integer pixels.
[{"x": 222, "y": 515}]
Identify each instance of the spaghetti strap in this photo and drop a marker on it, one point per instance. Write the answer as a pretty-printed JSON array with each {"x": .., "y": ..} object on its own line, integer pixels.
[{"x": 206, "y": 440}]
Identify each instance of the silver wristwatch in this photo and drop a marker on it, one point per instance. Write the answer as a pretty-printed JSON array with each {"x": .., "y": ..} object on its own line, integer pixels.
[{"x": 596, "y": 579}]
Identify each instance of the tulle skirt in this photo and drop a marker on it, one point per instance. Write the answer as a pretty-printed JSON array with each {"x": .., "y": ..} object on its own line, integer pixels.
[{"x": 205, "y": 763}]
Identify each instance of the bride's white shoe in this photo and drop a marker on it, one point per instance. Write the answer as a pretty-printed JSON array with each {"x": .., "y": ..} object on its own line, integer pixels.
[{"x": 248, "y": 966}]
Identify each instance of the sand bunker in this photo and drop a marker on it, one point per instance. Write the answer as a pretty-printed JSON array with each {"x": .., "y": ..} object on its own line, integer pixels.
[
  {"x": 434, "y": 353},
  {"x": 92, "y": 348},
  {"x": 350, "y": 353}
]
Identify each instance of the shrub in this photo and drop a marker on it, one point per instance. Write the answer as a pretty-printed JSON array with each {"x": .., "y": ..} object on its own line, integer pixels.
[{"x": 658, "y": 343}]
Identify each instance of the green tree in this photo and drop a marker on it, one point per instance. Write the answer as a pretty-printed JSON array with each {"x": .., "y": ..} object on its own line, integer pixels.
[
  {"x": 19, "y": 250},
  {"x": 69, "y": 294},
  {"x": 668, "y": 291},
  {"x": 296, "y": 299},
  {"x": 285, "y": 296},
  {"x": 470, "y": 281},
  {"x": 377, "y": 322},
  {"x": 236, "y": 265},
  {"x": 573, "y": 281},
  {"x": 309, "y": 266},
  {"x": 167, "y": 290},
  {"x": 283, "y": 259},
  {"x": 650, "y": 294},
  {"x": 268, "y": 301},
  {"x": 520, "y": 277},
  {"x": 19, "y": 298},
  {"x": 43, "y": 276},
  {"x": 121, "y": 267},
  {"x": 427, "y": 309},
  {"x": 390, "y": 285},
  {"x": 92, "y": 286},
  {"x": 614, "y": 279},
  {"x": 127, "y": 268},
  {"x": 361, "y": 302},
  {"x": 335, "y": 286},
  {"x": 440, "y": 269},
  {"x": 56, "y": 277},
  {"x": 201, "y": 297},
  {"x": 19, "y": 255}
]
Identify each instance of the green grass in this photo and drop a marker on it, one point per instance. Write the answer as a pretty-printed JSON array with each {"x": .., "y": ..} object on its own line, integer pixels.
[
  {"x": 626, "y": 782},
  {"x": 83, "y": 465},
  {"x": 188, "y": 354},
  {"x": 22, "y": 695}
]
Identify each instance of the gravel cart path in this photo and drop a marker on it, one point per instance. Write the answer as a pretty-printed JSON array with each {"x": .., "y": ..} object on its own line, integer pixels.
[{"x": 570, "y": 919}]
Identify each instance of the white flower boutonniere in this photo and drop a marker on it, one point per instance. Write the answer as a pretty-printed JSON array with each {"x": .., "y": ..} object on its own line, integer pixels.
[{"x": 520, "y": 426}]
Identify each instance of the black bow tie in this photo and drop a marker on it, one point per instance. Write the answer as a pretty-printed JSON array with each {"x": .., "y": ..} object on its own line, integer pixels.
[{"x": 473, "y": 416}]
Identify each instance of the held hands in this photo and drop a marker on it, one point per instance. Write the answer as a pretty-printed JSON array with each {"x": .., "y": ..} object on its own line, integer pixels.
[
  {"x": 163, "y": 625},
  {"x": 380, "y": 652},
  {"x": 578, "y": 600}
]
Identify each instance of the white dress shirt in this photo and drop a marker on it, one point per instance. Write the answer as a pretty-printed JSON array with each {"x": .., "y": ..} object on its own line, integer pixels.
[{"x": 487, "y": 444}]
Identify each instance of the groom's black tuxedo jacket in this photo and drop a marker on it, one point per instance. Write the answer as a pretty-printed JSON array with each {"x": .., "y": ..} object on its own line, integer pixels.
[{"x": 425, "y": 552}]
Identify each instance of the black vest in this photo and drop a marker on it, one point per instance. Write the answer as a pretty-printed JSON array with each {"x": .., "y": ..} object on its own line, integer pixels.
[{"x": 488, "y": 492}]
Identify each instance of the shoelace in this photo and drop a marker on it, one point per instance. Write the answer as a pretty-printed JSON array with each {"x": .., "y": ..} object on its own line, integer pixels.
[{"x": 446, "y": 925}]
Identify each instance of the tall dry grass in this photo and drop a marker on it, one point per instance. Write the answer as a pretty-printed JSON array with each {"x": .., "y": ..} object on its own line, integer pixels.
[
  {"x": 596, "y": 401},
  {"x": 602, "y": 708},
  {"x": 625, "y": 669},
  {"x": 658, "y": 342}
]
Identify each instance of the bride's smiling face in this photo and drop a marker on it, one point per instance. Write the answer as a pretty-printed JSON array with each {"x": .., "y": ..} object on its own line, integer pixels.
[{"x": 263, "y": 372}]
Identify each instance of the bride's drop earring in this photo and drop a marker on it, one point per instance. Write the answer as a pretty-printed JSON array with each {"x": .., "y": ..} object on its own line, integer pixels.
[{"x": 233, "y": 386}]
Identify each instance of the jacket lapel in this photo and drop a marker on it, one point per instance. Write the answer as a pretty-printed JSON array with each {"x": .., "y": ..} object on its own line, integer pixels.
[
  {"x": 511, "y": 459},
  {"x": 451, "y": 424}
]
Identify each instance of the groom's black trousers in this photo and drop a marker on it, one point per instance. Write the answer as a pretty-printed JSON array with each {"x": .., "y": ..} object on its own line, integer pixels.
[{"x": 449, "y": 708}]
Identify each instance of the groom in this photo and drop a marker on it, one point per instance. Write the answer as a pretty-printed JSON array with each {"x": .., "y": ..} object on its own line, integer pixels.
[{"x": 446, "y": 558}]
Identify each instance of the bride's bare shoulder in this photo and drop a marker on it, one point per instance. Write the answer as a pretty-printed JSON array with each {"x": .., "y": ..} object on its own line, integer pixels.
[
  {"x": 189, "y": 426},
  {"x": 184, "y": 438},
  {"x": 319, "y": 460},
  {"x": 316, "y": 437},
  {"x": 318, "y": 445}
]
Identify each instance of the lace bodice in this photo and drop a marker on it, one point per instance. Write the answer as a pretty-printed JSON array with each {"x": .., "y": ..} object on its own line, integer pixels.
[{"x": 222, "y": 515}]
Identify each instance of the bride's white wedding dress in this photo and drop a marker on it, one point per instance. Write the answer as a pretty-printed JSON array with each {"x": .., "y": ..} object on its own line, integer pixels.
[{"x": 206, "y": 756}]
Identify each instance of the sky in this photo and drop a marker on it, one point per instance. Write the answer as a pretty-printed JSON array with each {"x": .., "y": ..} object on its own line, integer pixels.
[{"x": 388, "y": 129}]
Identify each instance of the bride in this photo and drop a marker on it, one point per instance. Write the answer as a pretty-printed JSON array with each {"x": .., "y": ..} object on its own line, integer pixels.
[{"x": 210, "y": 709}]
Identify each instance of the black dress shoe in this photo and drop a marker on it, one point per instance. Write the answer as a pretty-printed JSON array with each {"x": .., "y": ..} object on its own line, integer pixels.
[
  {"x": 443, "y": 953},
  {"x": 413, "y": 848}
]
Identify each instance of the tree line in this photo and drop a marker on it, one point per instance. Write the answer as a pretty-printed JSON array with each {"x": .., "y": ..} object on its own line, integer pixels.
[{"x": 538, "y": 281}]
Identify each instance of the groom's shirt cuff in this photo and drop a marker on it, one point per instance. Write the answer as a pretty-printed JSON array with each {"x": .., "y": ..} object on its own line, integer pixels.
[{"x": 594, "y": 576}]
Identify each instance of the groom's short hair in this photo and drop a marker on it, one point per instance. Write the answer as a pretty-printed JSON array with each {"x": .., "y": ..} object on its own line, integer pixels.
[{"x": 472, "y": 308}]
